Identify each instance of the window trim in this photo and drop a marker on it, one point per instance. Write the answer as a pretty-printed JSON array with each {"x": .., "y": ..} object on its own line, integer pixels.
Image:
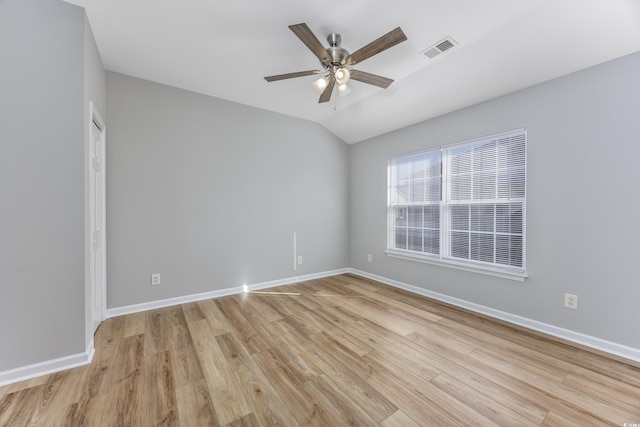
[
  {"x": 442, "y": 259},
  {"x": 457, "y": 265}
]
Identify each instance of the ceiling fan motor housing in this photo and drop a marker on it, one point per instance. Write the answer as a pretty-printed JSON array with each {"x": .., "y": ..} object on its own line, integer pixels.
[{"x": 338, "y": 54}]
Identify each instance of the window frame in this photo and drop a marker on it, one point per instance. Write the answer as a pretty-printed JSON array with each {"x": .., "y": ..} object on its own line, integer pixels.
[{"x": 443, "y": 258}]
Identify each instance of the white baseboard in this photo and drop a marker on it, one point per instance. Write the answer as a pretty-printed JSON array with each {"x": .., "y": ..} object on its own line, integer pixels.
[
  {"x": 47, "y": 367},
  {"x": 119, "y": 311},
  {"x": 152, "y": 305},
  {"x": 565, "y": 334}
]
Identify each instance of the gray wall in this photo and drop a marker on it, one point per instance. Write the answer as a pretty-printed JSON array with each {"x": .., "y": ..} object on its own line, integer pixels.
[
  {"x": 582, "y": 201},
  {"x": 95, "y": 86},
  {"x": 42, "y": 310},
  {"x": 208, "y": 193}
]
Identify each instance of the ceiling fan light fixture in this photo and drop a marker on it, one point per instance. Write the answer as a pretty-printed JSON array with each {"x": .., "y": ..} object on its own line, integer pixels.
[
  {"x": 342, "y": 76},
  {"x": 321, "y": 84},
  {"x": 343, "y": 89}
]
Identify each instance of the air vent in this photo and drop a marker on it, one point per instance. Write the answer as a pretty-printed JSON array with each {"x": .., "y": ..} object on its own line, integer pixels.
[{"x": 438, "y": 48}]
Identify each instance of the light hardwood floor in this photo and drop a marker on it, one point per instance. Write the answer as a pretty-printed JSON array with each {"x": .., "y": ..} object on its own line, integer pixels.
[{"x": 336, "y": 351}]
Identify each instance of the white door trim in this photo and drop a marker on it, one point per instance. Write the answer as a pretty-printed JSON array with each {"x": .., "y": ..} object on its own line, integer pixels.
[{"x": 96, "y": 293}]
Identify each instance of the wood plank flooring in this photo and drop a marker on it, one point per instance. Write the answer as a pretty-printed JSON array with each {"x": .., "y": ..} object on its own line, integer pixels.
[{"x": 336, "y": 351}]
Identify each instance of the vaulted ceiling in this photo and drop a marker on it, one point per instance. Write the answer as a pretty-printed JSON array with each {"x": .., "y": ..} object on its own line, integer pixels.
[{"x": 224, "y": 48}]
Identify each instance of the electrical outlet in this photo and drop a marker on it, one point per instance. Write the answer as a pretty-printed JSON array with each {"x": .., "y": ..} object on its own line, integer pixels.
[
  {"x": 299, "y": 260},
  {"x": 571, "y": 301},
  {"x": 370, "y": 258},
  {"x": 155, "y": 279}
]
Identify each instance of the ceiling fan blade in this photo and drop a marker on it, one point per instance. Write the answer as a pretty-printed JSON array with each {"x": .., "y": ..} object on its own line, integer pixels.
[
  {"x": 326, "y": 95},
  {"x": 371, "y": 79},
  {"x": 311, "y": 41},
  {"x": 291, "y": 75},
  {"x": 390, "y": 39}
]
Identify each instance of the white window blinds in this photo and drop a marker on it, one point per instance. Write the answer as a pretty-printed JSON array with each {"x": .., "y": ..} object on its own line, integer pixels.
[
  {"x": 463, "y": 203},
  {"x": 416, "y": 194}
]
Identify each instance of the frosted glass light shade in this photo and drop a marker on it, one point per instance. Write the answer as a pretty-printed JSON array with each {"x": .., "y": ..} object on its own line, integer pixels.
[
  {"x": 342, "y": 76},
  {"x": 343, "y": 90},
  {"x": 321, "y": 84}
]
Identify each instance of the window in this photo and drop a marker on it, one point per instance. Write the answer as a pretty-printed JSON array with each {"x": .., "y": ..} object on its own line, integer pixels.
[{"x": 461, "y": 204}]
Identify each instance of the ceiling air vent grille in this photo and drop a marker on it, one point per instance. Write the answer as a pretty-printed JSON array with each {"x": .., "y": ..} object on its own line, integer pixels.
[{"x": 438, "y": 48}]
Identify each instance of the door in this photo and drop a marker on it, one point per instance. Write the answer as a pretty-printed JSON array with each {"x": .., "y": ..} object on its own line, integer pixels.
[{"x": 97, "y": 246}]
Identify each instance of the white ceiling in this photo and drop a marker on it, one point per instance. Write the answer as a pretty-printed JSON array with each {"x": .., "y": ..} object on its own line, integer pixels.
[{"x": 224, "y": 48}]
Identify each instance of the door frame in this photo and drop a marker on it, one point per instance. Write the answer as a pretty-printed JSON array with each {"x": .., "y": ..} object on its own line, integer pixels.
[{"x": 92, "y": 317}]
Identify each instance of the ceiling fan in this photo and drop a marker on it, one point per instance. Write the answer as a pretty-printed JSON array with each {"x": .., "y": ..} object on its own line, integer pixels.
[{"x": 335, "y": 59}]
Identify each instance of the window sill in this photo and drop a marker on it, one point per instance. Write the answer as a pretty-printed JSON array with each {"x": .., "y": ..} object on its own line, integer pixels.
[{"x": 511, "y": 275}]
